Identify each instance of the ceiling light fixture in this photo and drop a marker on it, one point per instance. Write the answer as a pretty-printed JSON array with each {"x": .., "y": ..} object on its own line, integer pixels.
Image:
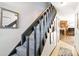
[{"x": 63, "y": 3}]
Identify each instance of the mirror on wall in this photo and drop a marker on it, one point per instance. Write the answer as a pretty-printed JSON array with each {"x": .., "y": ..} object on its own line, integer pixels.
[{"x": 9, "y": 19}]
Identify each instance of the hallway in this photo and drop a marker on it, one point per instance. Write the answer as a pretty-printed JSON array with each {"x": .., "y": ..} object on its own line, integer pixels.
[{"x": 65, "y": 46}]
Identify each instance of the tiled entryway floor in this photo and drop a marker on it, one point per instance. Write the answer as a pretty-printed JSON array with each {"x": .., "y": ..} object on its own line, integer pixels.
[{"x": 65, "y": 47}]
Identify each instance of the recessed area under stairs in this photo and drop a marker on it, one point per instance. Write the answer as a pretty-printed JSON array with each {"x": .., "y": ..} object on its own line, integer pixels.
[{"x": 65, "y": 46}]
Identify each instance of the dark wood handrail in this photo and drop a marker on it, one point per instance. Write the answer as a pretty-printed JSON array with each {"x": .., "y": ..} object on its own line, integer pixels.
[{"x": 36, "y": 22}]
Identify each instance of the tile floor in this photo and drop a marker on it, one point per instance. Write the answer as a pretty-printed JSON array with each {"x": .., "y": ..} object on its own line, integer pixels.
[{"x": 65, "y": 46}]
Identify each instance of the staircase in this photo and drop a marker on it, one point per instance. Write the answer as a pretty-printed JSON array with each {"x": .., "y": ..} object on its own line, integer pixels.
[{"x": 34, "y": 38}]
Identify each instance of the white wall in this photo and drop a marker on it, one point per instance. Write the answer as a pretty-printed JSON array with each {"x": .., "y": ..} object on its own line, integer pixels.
[
  {"x": 28, "y": 12},
  {"x": 76, "y": 31},
  {"x": 77, "y": 40}
]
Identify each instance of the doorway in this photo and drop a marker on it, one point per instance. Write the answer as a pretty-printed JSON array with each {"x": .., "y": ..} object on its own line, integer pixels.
[{"x": 67, "y": 34}]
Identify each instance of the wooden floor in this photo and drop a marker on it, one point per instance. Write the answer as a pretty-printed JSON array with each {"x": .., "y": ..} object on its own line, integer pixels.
[{"x": 68, "y": 39}]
